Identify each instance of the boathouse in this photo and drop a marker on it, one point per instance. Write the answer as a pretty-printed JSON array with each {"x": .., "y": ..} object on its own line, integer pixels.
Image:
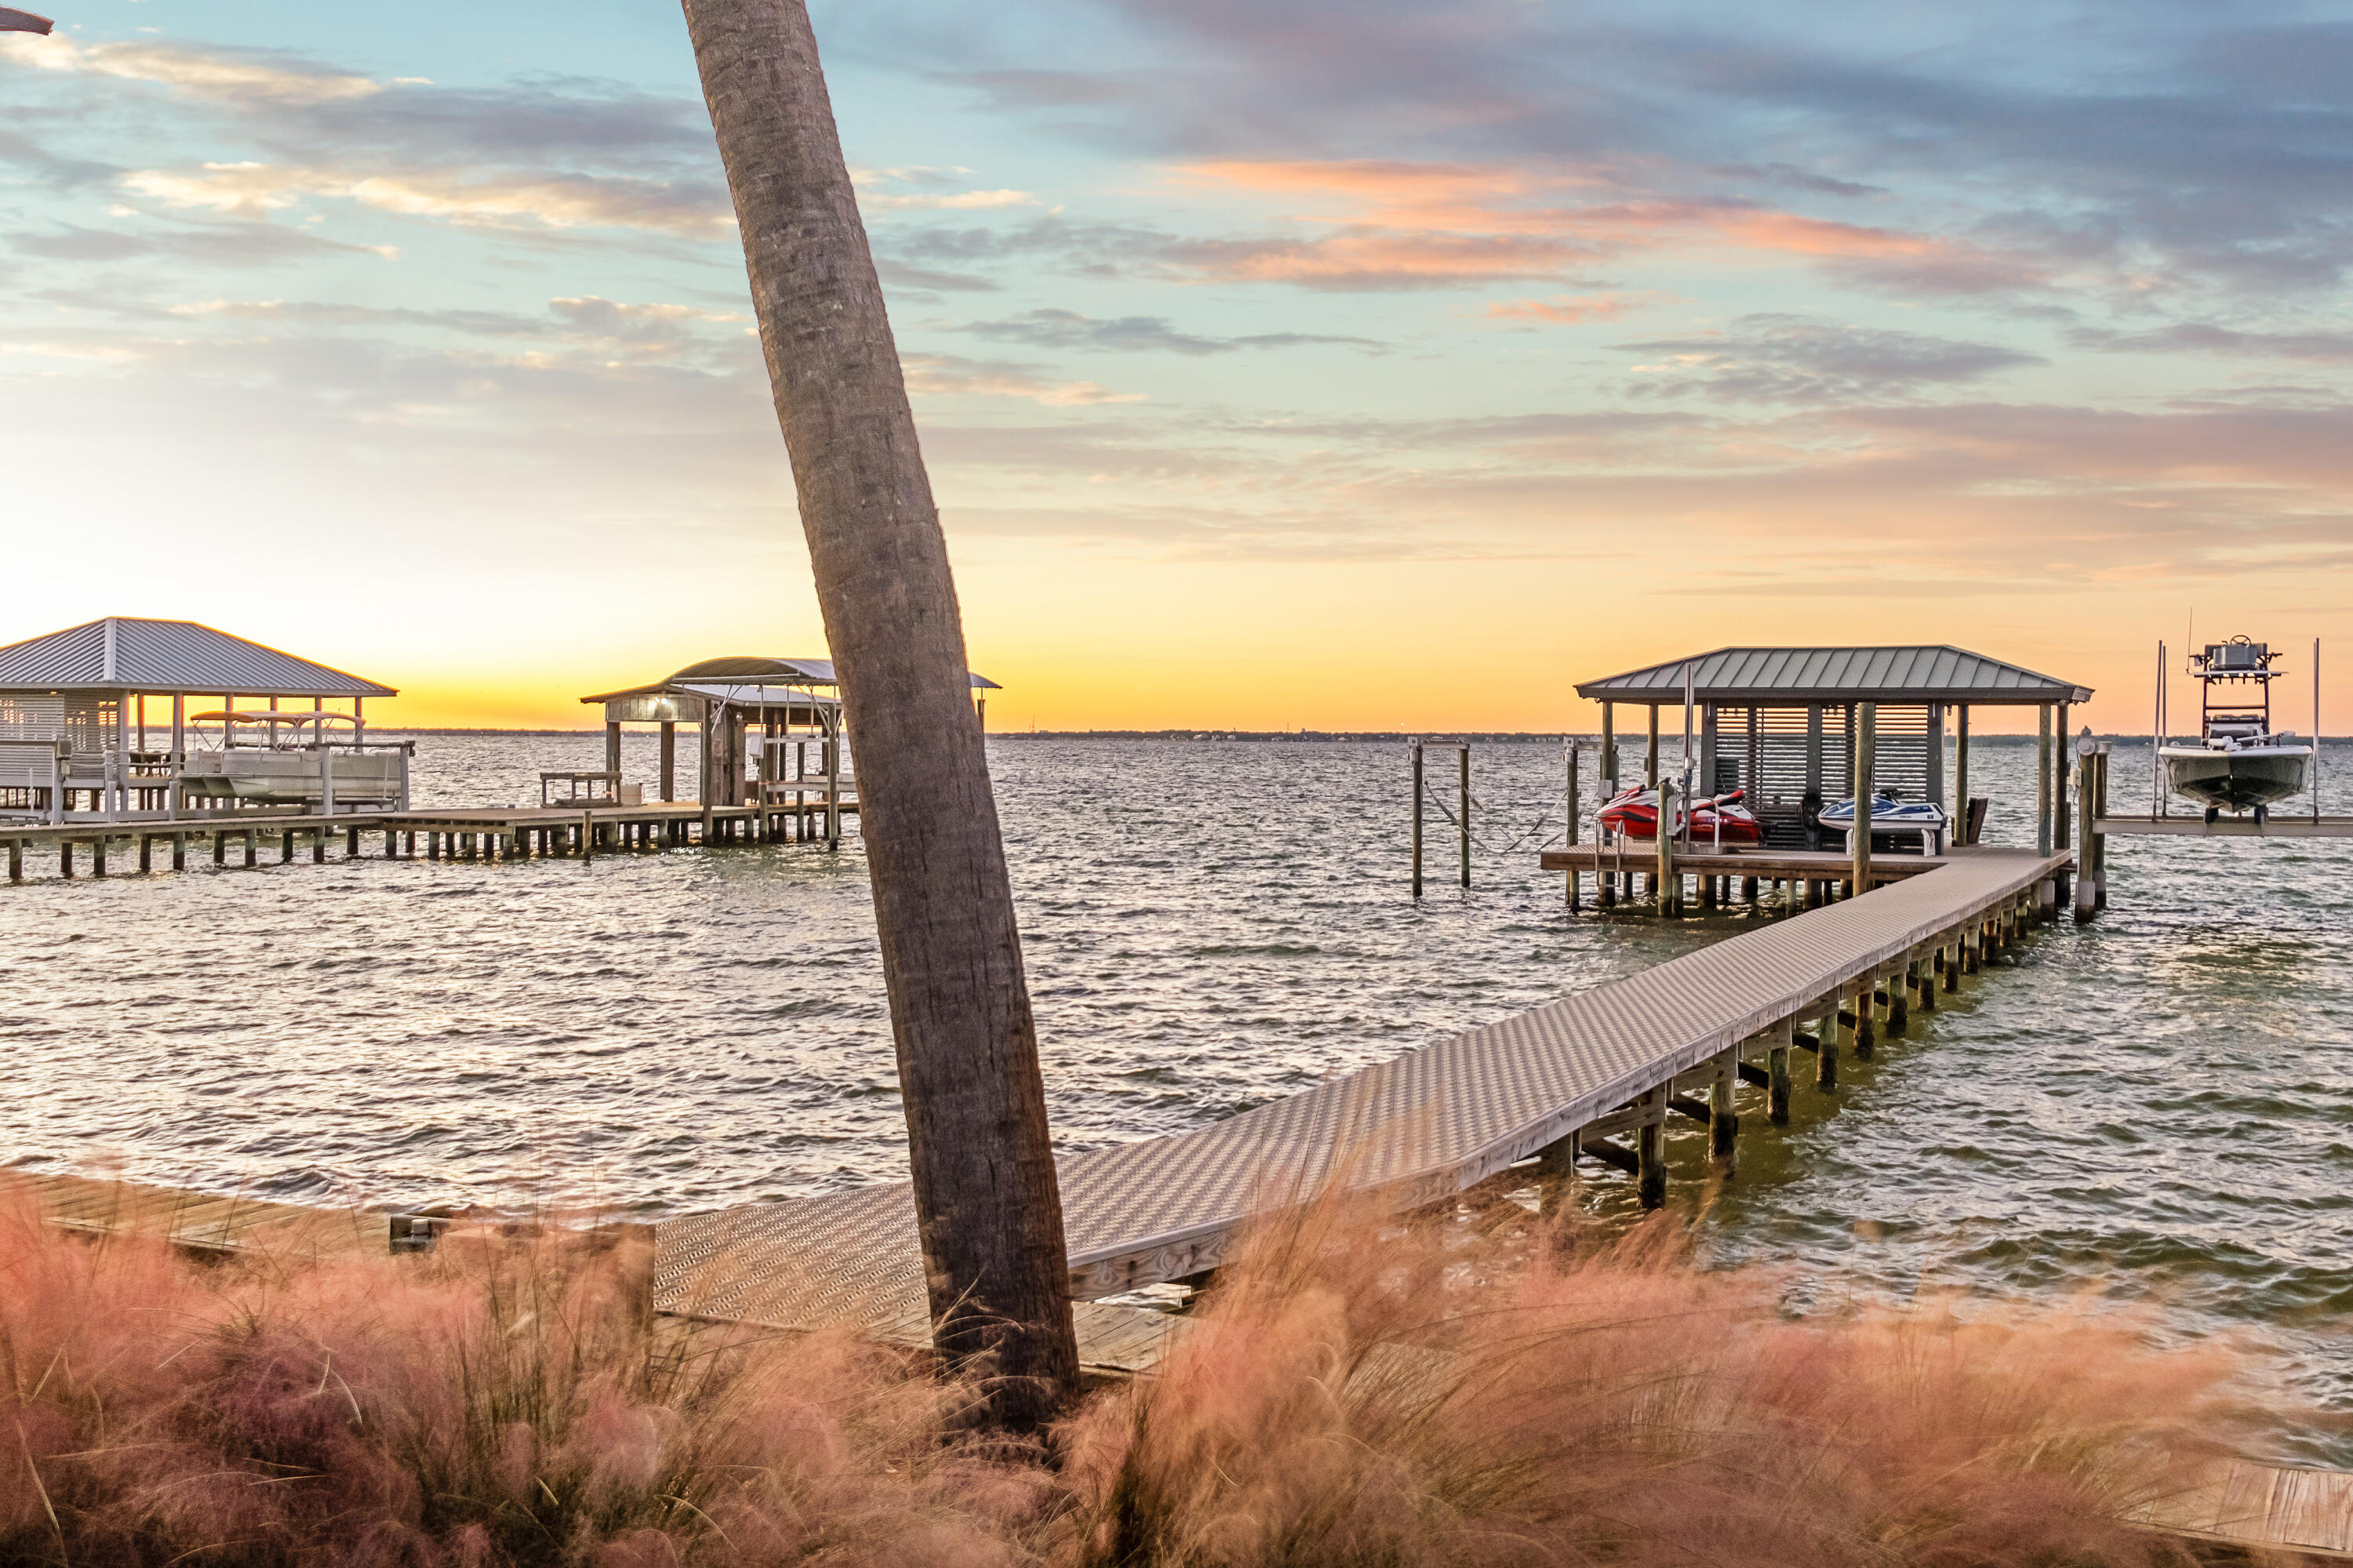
[
  {"x": 758, "y": 718},
  {"x": 1781, "y": 722},
  {"x": 77, "y": 729}
]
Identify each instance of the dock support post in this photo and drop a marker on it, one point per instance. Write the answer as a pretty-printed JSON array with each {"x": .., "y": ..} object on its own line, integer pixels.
[
  {"x": 1866, "y": 733},
  {"x": 220, "y": 846},
  {"x": 1413, "y": 749},
  {"x": 1866, "y": 1019},
  {"x": 15, "y": 860},
  {"x": 64, "y": 859},
  {"x": 97, "y": 855},
  {"x": 670, "y": 759},
  {"x": 1568, "y": 832},
  {"x": 318, "y": 846},
  {"x": 1723, "y": 1123},
  {"x": 1899, "y": 999},
  {"x": 1826, "y": 1056},
  {"x": 252, "y": 846},
  {"x": 2042, "y": 822},
  {"x": 1463, "y": 818},
  {"x": 1650, "y": 1148},
  {"x": 587, "y": 836},
  {"x": 146, "y": 852},
  {"x": 2100, "y": 811},
  {"x": 285, "y": 846},
  {"x": 351, "y": 843},
  {"x": 1650, "y": 758},
  {"x": 1776, "y": 1079},
  {"x": 1555, "y": 1175},
  {"x": 2087, "y": 764},
  {"x": 1666, "y": 885}
]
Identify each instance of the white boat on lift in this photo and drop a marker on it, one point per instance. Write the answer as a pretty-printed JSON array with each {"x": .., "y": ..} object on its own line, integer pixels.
[
  {"x": 2237, "y": 763},
  {"x": 290, "y": 758}
]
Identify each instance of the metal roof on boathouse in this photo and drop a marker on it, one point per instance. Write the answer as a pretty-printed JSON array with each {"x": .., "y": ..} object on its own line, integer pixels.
[
  {"x": 126, "y": 653},
  {"x": 1767, "y": 676}
]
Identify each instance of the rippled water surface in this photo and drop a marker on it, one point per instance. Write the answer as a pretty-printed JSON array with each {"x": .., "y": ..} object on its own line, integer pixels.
[{"x": 2160, "y": 1105}]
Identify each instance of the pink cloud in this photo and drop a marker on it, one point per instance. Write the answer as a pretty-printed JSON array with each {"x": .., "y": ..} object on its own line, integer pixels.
[{"x": 1423, "y": 223}]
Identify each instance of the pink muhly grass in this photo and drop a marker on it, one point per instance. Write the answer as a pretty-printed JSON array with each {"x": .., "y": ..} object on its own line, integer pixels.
[{"x": 1355, "y": 1391}]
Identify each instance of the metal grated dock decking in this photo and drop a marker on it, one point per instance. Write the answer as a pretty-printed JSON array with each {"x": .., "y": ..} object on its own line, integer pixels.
[{"x": 1425, "y": 1125}]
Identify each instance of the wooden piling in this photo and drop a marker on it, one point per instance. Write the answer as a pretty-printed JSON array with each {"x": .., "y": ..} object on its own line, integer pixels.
[
  {"x": 285, "y": 846},
  {"x": 1414, "y": 748},
  {"x": 146, "y": 852},
  {"x": 1568, "y": 833},
  {"x": 2043, "y": 818},
  {"x": 1722, "y": 1124},
  {"x": 179, "y": 849},
  {"x": 2086, "y": 880},
  {"x": 15, "y": 860},
  {"x": 1899, "y": 1000},
  {"x": 97, "y": 855},
  {"x": 1666, "y": 885},
  {"x": 1866, "y": 1019},
  {"x": 1866, "y": 729},
  {"x": 1463, "y": 817},
  {"x": 1826, "y": 1050},
  {"x": 1649, "y": 1140},
  {"x": 1776, "y": 1077},
  {"x": 252, "y": 846}
]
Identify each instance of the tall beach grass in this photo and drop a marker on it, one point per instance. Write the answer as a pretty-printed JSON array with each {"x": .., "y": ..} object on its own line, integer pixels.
[{"x": 1353, "y": 1391}]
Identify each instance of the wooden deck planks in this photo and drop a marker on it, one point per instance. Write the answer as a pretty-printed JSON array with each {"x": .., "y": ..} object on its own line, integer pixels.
[
  {"x": 1420, "y": 1127},
  {"x": 2308, "y": 1512}
]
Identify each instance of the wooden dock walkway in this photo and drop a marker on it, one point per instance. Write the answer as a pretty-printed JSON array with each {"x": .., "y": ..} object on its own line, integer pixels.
[
  {"x": 1558, "y": 1082},
  {"x": 472, "y": 833}
]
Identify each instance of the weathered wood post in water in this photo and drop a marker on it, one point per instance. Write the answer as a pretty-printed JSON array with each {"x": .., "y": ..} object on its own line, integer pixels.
[
  {"x": 1960, "y": 823},
  {"x": 1462, "y": 814},
  {"x": 1866, "y": 730},
  {"x": 2042, "y": 822},
  {"x": 988, "y": 1207},
  {"x": 1667, "y": 884},
  {"x": 1568, "y": 833},
  {"x": 1413, "y": 748},
  {"x": 2087, "y": 885}
]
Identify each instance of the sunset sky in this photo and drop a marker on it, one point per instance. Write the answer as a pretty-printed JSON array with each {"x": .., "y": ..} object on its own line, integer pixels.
[{"x": 1383, "y": 365}]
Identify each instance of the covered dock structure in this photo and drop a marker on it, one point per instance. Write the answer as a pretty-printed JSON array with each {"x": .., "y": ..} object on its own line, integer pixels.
[
  {"x": 770, "y": 735},
  {"x": 79, "y": 741},
  {"x": 1780, "y": 723}
]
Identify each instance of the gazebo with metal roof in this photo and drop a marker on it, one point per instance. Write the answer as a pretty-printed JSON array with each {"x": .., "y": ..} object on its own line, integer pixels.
[
  {"x": 1779, "y": 722},
  {"x": 74, "y": 720},
  {"x": 788, "y": 704}
]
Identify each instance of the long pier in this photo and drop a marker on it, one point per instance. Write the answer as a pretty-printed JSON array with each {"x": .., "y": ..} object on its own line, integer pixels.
[
  {"x": 1558, "y": 1085},
  {"x": 474, "y": 833}
]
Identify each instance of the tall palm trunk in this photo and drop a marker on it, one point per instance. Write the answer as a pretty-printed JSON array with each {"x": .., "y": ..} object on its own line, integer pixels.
[{"x": 989, "y": 1211}]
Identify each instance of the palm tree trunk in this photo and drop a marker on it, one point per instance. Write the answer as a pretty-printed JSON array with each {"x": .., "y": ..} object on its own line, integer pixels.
[{"x": 988, "y": 1209}]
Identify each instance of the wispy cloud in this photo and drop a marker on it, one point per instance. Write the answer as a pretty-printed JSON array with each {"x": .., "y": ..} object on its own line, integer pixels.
[
  {"x": 1784, "y": 358},
  {"x": 949, "y": 375},
  {"x": 1140, "y": 335}
]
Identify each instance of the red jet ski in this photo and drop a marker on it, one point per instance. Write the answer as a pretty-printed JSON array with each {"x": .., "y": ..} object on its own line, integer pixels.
[{"x": 1719, "y": 819}]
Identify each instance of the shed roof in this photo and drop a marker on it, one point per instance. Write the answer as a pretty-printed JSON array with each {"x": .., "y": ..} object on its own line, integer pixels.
[
  {"x": 751, "y": 669},
  {"x": 125, "y": 653},
  {"x": 1937, "y": 673}
]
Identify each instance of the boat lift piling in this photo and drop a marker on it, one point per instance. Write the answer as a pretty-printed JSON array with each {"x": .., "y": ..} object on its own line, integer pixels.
[{"x": 1415, "y": 749}]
